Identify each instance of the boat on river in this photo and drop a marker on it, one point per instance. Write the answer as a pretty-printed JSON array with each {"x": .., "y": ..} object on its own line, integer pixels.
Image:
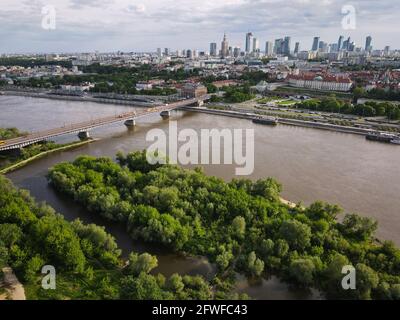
[
  {"x": 265, "y": 120},
  {"x": 383, "y": 137}
]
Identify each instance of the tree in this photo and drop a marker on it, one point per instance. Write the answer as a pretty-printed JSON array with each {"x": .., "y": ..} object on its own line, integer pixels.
[
  {"x": 255, "y": 266},
  {"x": 302, "y": 270},
  {"x": 360, "y": 228},
  {"x": 141, "y": 263},
  {"x": 175, "y": 283},
  {"x": 358, "y": 92},
  {"x": 239, "y": 226},
  {"x": 297, "y": 234},
  {"x": 10, "y": 234},
  {"x": 143, "y": 287},
  {"x": 366, "y": 279}
]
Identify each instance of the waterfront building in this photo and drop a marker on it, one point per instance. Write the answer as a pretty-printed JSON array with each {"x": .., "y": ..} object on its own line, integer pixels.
[{"x": 323, "y": 81}]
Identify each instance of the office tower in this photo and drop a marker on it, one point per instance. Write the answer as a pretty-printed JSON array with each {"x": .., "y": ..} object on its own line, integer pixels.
[
  {"x": 224, "y": 47},
  {"x": 249, "y": 42},
  {"x": 189, "y": 54},
  {"x": 213, "y": 49},
  {"x": 236, "y": 52},
  {"x": 346, "y": 44},
  {"x": 352, "y": 46},
  {"x": 340, "y": 43},
  {"x": 297, "y": 48},
  {"x": 268, "y": 48},
  {"x": 166, "y": 52},
  {"x": 286, "y": 46},
  {"x": 333, "y": 47},
  {"x": 387, "y": 50},
  {"x": 368, "y": 43},
  {"x": 256, "y": 45},
  {"x": 278, "y": 49},
  {"x": 315, "y": 44},
  {"x": 322, "y": 46},
  {"x": 159, "y": 53}
]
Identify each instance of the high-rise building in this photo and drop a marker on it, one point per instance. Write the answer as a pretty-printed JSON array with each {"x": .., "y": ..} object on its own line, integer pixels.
[
  {"x": 159, "y": 52},
  {"x": 323, "y": 47},
  {"x": 269, "y": 48},
  {"x": 315, "y": 44},
  {"x": 224, "y": 47},
  {"x": 286, "y": 46},
  {"x": 256, "y": 45},
  {"x": 340, "y": 43},
  {"x": 387, "y": 50},
  {"x": 236, "y": 52},
  {"x": 278, "y": 49},
  {"x": 189, "y": 54},
  {"x": 166, "y": 51},
  {"x": 368, "y": 44},
  {"x": 297, "y": 48},
  {"x": 213, "y": 49},
  {"x": 249, "y": 42}
]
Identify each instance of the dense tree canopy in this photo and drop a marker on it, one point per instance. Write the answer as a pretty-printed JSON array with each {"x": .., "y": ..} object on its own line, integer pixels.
[
  {"x": 241, "y": 225},
  {"x": 86, "y": 258}
]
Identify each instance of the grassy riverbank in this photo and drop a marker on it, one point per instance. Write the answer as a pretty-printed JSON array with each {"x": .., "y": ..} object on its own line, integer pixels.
[{"x": 39, "y": 151}]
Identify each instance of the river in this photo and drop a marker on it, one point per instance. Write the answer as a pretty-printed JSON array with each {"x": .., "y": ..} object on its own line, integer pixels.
[{"x": 360, "y": 175}]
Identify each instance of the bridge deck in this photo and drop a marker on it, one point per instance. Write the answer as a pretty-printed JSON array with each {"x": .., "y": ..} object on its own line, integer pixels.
[{"x": 88, "y": 125}]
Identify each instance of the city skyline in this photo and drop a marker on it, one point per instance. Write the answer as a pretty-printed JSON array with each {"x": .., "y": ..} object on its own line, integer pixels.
[{"x": 134, "y": 26}]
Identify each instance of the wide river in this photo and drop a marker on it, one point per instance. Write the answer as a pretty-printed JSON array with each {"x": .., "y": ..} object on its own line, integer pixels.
[{"x": 345, "y": 169}]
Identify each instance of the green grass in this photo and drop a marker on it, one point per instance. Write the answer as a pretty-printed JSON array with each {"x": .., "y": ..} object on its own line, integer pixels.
[
  {"x": 268, "y": 99},
  {"x": 285, "y": 103}
]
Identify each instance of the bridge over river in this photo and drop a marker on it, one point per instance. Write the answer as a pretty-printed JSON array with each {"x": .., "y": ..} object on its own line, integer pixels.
[{"x": 83, "y": 128}]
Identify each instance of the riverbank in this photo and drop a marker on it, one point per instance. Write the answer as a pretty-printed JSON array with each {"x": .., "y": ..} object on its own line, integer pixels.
[
  {"x": 302, "y": 123},
  {"x": 24, "y": 162},
  {"x": 85, "y": 98},
  {"x": 14, "y": 289}
]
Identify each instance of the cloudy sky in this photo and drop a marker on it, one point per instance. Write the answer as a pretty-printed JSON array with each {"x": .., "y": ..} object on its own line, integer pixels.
[{"x": 144, "y": 25}]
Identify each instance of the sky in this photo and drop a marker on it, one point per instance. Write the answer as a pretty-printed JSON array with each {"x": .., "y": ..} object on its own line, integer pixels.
[{"x": 144, "y": 25}]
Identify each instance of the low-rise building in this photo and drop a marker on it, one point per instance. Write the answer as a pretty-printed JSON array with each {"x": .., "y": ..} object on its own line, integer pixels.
[
  {"x": 193, "y": 90},
  {"x": 325, "y": 82}
]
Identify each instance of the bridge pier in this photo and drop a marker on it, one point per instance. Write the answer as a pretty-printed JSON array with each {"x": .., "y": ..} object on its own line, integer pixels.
[
  {"x": 165, "y": 114},
  {"x": 130, "y": 123},
  {"x": 84, "y": 135}
]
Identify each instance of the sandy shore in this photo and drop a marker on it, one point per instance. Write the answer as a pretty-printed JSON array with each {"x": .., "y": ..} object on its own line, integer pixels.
[{"x": 15, "y": 290}]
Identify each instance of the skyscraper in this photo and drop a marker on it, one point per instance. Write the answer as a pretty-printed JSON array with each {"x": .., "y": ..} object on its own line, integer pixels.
[
  {"x": 286, "y": 46},
  {"x": 297, "y": 48},
  {"x": 249, "y": 42},
  {"x": 278, "y": 49},
  {"x": 213, "y": 49},
  {"x": 368, "y": 42},
  {"x": 340, "y": 43},
  {"x": 256, "y": 45},
  {"x": 268, "y": 48},
  {"x": 159, "y": 52},
  {"x": 315, "y": 44},
  {"x": 224, "y": 47},
  {"x": 236, "y": 52}
]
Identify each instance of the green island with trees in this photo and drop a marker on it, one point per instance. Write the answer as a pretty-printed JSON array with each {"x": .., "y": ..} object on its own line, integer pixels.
[
  {"x": 241, "y": 226},
  {"x": 87, "y": 260}
]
